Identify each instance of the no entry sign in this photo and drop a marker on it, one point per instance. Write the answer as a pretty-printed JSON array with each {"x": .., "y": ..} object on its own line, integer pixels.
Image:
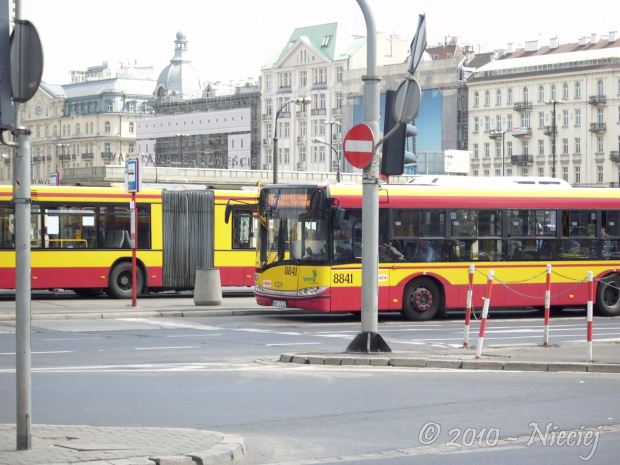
[{"x": 358, "y": 145}]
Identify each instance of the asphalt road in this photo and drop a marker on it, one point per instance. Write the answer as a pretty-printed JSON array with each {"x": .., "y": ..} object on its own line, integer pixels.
[{"x": 221, "y": 373}]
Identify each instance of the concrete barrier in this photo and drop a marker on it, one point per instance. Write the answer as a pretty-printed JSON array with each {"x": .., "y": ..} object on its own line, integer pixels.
[{"x": 208, "y": 287}]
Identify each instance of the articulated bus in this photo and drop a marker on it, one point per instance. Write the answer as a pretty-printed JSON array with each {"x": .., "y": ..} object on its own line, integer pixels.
[
  {"x": 80, "y": 238},
  {"x": 310, "y": 242}
]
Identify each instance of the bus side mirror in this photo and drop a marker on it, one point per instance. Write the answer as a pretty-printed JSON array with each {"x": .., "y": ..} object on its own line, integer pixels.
[{"x": 229, "y": 208}]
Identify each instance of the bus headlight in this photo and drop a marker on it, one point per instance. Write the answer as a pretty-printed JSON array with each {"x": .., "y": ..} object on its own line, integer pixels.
[{"x": 308, "y": 291}]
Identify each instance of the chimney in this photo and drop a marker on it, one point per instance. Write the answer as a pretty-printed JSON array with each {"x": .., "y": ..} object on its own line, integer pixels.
[
  {"x": 593, "y": 39},
  {"x": 531, "y": 46},
  {"x": 510, "y": 48},
  {"x": 554, "y": 43},
  {"x": 612, "y": 36},
  {"x": 582, "y": 40}
]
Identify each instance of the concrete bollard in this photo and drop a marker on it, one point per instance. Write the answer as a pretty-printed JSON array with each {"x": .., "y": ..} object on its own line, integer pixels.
[{"x": 208, "y": 287}]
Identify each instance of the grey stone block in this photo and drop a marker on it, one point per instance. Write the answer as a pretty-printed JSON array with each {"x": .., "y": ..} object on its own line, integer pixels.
[
  {"x": 301, "y": 359},
  {"x": 603, "y": 368},
  {"x": 443, "y": 364},
  {"x": 482, "y": 365},
  {"x": 408, "y": 362},
  {"x": 525, "y": 366},
  {"x": 567, "y": 367}
]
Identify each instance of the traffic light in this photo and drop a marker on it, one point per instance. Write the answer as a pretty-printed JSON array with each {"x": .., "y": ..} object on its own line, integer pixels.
[
  {"x": 6, "y": 105},
  {"x": 395, "y": 148}
]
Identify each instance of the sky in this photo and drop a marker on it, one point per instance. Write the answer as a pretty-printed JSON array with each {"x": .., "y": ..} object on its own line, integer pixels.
[{"x": 231, "y": 40}]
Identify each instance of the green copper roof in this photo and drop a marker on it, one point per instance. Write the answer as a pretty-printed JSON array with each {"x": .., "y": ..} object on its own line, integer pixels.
[{"x": 328, "y": 40}]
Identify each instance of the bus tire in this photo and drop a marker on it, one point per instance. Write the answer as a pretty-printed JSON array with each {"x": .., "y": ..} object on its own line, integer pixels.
[
  {"x": 120, "y": 281},
  {"x": 608, "y": 296},
  {"x": 421, "y": 300}
]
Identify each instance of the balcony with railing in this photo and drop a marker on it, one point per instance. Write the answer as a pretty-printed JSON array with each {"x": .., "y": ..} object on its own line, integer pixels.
[
  {"x": 301, "y": 166},
  {"x": 301, "y": 139},
  {"x": 597, "y": 100},
  {"x": 336, "y": 111},
  {"x": 522, "y": 132},
  {"x": 614, "y": 155},
  {"x": 88, "y": 156},
  {"x": 522, "y": 159},
  {"x": 318, "y": 111},
  {"x": 522, "y": 106},
  {"x": 598, "y": 127},
  {"x": 301, "y": 113},
  {"x": 549, "y": 130},
  {"x": 285, "y": 114},
  {"x": 267, "y": 117},
  {"x": 266, "y": 141}
]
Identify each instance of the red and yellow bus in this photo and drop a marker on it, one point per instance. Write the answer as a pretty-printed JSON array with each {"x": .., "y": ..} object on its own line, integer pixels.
[
  {"x": 310, "y": 239},
  {"x": 80, "y": 238}
]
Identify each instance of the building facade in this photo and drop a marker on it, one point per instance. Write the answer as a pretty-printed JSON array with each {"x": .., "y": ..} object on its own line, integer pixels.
[
  {"x": 217, "y": 131},
  {"x": 313, "y": 64},
  {"x": 82, "y": 125},
  {"x": 551, "y": 110}
]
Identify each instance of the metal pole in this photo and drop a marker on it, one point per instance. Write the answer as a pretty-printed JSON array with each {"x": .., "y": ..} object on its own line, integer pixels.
[
  {"x": 22, "y": 199},
  {"x": 503, "y": 153},
  {"x": 553, "y": 148},
  {"x": 275, "y": 149},
  {"x": 369, "y": 340}
]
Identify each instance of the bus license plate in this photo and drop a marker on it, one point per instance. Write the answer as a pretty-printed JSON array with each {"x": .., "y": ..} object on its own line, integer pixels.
[{"x": 279, "y": 303}]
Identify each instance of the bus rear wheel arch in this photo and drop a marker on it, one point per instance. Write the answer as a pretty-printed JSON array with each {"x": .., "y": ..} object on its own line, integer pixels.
[
  {"x": 422, "y": 299},
  {"x": 120, "y": 281},
  {"x": 608, "y": 295}
]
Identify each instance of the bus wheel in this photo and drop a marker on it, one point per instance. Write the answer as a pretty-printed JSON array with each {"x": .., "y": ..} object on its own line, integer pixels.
[
  {"x": 120, "y": 281},
  {"x": 421, "y": 300},
  {"x": 608, "y": 296}
]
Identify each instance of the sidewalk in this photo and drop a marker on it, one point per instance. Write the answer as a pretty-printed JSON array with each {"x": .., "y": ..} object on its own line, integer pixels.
[{"x": 55, "y": 445}]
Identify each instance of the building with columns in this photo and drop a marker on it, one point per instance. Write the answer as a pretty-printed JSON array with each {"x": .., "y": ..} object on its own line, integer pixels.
[
  {"x": 549, "y": 110},
  {"x": 87, "y": 124}
]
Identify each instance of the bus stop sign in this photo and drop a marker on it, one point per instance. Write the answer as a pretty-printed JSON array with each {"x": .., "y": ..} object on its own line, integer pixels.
[{"x": 358, "y": 145}]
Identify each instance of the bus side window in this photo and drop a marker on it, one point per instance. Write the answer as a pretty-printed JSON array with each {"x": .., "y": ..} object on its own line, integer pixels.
[{"x": 242, "y": 229}]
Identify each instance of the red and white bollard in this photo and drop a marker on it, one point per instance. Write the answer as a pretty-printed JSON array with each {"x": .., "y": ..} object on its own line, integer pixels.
[
  {"x": 590, "y": 312},
  {"x": 547, "y": 306},
  {"x": 485, "y": 313},
  {"x": 470, "y": 294}
]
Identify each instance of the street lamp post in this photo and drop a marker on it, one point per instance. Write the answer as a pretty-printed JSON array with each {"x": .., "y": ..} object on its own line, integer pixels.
[
  {"x": 297, "y": 101},
  {"x": 62, "y": 157},
  {"x": 318, "y": 140},
  {"x": 496, "y": 135},
  {"x": 331, "y": 142},
  {"x": 553, "y": 131}
]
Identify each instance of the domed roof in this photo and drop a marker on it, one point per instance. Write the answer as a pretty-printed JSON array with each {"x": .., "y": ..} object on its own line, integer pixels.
[{"x": 179, "y": 78}]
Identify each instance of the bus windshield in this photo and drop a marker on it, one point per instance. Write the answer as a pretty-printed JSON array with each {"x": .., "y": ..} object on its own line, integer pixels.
[{"x": 294, "y": 226}]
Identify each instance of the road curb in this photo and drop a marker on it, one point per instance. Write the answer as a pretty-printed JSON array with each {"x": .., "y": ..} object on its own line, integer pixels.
[
  {"x": 230, "y": 449},
  {"x": 153, "y": 314},
  {"x": 400, "y": 361}
]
